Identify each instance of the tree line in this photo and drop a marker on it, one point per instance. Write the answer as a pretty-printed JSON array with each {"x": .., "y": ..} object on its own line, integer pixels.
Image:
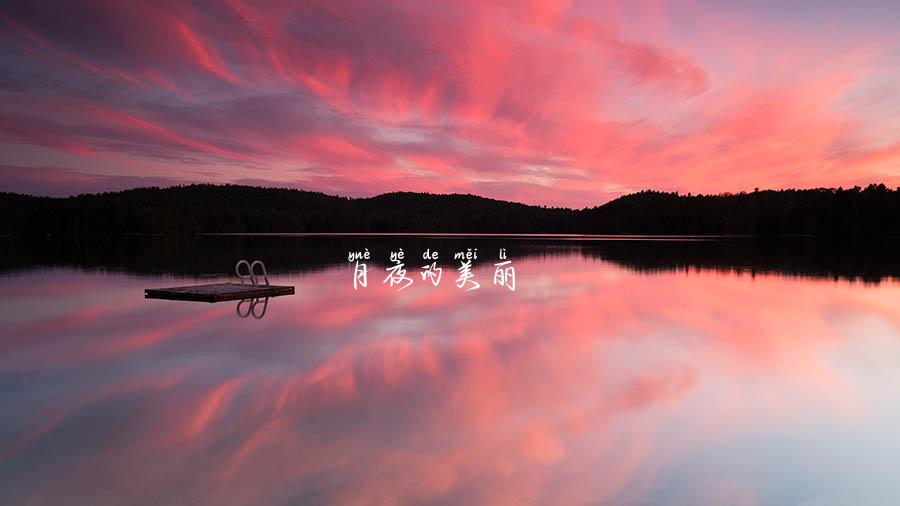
[{"x": 192, "y": 209}]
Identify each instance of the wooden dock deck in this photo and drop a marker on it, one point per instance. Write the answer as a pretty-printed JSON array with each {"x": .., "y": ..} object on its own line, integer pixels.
[{"x": 218, "y": 292}]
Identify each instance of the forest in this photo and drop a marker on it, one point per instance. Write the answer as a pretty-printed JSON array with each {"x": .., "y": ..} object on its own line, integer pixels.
[{"x": 204, "y": 208}]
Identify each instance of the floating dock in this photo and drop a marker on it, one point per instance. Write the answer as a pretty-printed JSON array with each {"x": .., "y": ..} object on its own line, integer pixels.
[{"x": 218, "y": 292}]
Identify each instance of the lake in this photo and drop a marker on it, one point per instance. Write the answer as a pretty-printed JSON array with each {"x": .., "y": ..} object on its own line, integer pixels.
[{"x": 721, "y": 371}]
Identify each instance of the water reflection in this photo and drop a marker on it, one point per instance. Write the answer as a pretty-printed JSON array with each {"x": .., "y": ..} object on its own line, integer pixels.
[
  {"x": 203, "y": 256},
  {"x": 252, "y": 307},
  {"x": 593, "y": 383}
]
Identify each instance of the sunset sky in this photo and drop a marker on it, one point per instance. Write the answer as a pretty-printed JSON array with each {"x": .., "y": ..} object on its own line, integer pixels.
[{"x": 545, "y": 101}]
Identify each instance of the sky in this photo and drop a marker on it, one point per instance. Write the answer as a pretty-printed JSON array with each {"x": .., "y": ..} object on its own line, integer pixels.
[{"x": 553, "y": 102}]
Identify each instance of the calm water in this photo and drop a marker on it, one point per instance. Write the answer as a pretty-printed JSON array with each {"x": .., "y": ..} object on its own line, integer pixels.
[{"x": 619, "y": 372}]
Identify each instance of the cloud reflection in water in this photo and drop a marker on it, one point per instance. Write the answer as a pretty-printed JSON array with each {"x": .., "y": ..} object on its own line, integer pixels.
[{"x": 590, "y": 384}]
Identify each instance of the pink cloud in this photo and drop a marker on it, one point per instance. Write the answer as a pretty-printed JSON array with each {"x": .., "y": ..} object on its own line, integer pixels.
[
  {"x": 61, "y": 182},
  {"x": 556, "y": 102}
]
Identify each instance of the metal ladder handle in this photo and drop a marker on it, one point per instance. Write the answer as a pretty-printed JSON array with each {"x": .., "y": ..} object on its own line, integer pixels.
[
  {"x": 237, "y": 270},
  {"x": 265, "y": 274}
]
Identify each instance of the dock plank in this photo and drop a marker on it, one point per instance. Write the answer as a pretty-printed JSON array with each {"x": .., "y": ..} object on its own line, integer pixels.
[{"x": 218, "y": 292}]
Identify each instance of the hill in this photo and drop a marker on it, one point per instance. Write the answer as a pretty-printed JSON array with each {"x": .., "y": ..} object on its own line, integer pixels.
[
  {"x": 230, "y": 208},
  {"x": 872, "y": 211},
  {"x": 192, "y": 209}
]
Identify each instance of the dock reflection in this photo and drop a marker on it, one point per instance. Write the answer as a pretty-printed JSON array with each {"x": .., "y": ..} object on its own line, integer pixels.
[{"x": 248, "y": 307}]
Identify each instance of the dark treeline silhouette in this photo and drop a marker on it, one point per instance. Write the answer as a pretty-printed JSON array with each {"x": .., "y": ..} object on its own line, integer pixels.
[
  {"x": 230, "y": 208},
  {"x": 184, "y": 210},
  {"x": 874, "y": 210}
]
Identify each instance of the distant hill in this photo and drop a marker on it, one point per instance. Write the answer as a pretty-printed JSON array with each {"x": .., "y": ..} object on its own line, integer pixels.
[
  {"x": 230, "y": 208},
  {"x": 192, "y": 209},
  {"x": 872, "y": 211}
]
